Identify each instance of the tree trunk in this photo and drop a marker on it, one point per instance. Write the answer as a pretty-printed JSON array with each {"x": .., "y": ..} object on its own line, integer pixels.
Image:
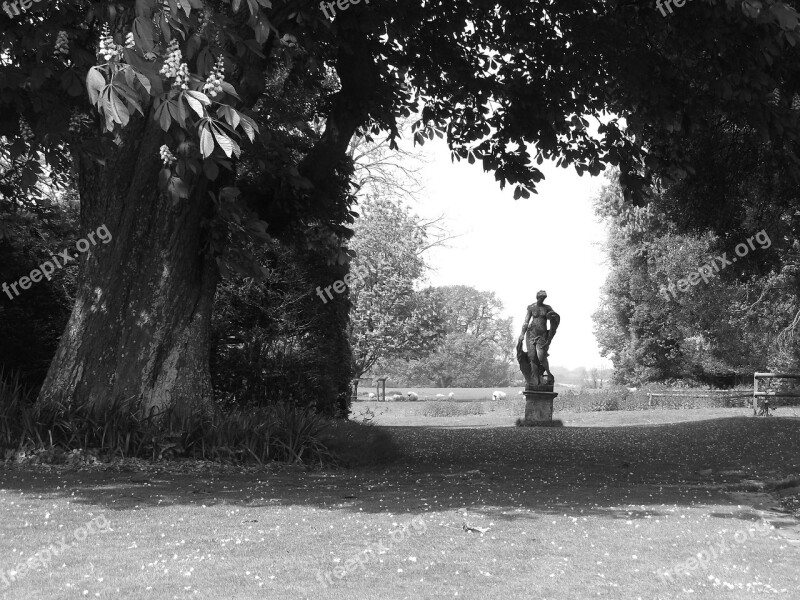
[{"x": 140, "y": 325}]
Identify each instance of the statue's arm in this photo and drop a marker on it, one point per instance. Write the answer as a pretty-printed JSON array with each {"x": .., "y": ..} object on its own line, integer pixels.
[{"x": 525, "y": 323}]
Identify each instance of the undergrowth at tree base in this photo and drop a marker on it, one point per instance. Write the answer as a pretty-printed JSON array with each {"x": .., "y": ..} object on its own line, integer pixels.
[{"x": 33, "y": 434}]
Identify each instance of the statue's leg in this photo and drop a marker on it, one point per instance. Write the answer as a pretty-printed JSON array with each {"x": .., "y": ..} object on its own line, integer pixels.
[
  {"x": 541, "y": 356},
  {"x": 533, "y": 356},
  {"x": 534, "y": 362}
]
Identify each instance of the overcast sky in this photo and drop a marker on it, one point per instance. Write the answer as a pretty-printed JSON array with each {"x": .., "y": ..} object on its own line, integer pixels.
[{"x": 550, "y": 241}]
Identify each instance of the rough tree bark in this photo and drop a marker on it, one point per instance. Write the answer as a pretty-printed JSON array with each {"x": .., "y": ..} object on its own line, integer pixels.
[{"x": 140, "y": 325}]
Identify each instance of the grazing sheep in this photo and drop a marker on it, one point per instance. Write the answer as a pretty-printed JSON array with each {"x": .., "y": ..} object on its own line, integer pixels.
[
  {"x": 397, "y": 398},
  {"x": 440, "y": 396},
  {"x": 499, "y": 396},
  {"x": 371, "y": 395},
  {"x": 520, "y": 393},
  {"x": 451, "y": 395},
  {"x": 412, "y": 397}
]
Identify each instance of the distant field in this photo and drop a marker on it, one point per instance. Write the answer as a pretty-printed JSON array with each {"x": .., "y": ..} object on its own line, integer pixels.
[
  {"x": 580, "y": 400},
  {"x": 461, "y": 394},
  {"x": 505, "y": 412}
]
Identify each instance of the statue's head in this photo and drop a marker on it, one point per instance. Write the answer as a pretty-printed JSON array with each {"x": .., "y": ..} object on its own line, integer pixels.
[{"x": 541, "y": 295}]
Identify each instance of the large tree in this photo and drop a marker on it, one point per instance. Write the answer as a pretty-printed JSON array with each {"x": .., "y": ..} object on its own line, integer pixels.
[
  {"x": 505, "y": 82},
  {"x": 718, "y": 327}
]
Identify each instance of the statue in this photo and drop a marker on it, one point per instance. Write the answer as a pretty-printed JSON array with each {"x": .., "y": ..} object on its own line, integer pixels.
[{"x": 535, "y": 367}]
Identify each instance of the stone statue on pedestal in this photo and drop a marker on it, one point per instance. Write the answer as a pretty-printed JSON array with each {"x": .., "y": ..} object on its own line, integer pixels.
[{"x": 538, "y": 339}]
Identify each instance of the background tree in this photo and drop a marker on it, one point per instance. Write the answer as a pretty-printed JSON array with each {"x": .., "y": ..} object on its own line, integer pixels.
[
  {"x": 718, "y": 331},
  {"x": 472, "y": 344},
  {"x": 386, "y": 320}
]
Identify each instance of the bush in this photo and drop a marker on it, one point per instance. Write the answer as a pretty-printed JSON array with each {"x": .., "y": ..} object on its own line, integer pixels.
[{"x": 276, "y": 341}]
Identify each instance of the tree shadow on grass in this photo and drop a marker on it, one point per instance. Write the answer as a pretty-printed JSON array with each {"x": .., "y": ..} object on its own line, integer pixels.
[{"x": 505, "y": 473}]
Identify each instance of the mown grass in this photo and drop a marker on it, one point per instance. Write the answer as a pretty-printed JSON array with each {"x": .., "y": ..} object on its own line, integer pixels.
[{"x": 573, "y": 512}]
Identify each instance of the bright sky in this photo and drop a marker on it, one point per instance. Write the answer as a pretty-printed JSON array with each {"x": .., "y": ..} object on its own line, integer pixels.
[{"x": 550, "y": 241}]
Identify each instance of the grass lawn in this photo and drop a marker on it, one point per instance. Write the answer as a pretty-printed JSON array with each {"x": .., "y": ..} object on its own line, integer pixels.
[{"x": 591, "y": 510}]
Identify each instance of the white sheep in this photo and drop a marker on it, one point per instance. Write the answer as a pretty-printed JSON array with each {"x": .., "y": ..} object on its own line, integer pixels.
[
  {"x": 371, "y": 396},
  {"x": 412, "y": 397},
  {"x": 499, "y": 396},
  {"x": 520, "y": 393},
  {"x": 440, "y": 396},
  {"x": 451, "y": 395},
  {"x": 397, "y": 398}
]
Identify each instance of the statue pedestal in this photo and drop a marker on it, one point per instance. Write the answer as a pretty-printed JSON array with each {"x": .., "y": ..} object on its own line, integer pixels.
[{"x": 539, "y": 406}]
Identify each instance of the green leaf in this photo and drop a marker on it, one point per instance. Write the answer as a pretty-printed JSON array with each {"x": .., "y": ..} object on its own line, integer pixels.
[
  {"x": 181, "y": 112},
  {"x": 231, "y": 115},
  {"x": 163, "y": 117},
  {"x": 178, "y": 186},
  {"x": 206, "y": 141},
  {"x": 200, "y": 96},
  {"x": 229, "y": 89},
  {"x": 174, "y": 113},
  {"x": 249, "y": 126},
  {"x": 144, "y": 34},
  {"x": 165, "y": 29},
  {"x": 786, "y": 15},
  {"x": 144, "y": 8},
  {"x": 194, "y": 103},
  {"x": 119, "y": 110},
  {"x": 223, "y": 140},
  {"x": 95, "y": 82},
  {"x": 205, "y": 61}
]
